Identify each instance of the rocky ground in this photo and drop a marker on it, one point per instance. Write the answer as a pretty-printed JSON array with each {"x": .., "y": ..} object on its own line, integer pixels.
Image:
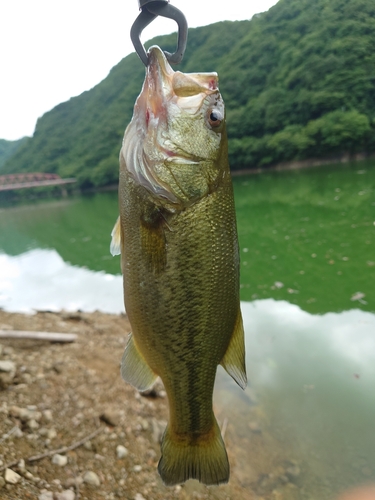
[{"x": 71, "y": 429}]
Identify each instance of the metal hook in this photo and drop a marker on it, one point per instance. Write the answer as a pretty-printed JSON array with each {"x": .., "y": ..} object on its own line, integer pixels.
[{"x": 150, "y": 10}]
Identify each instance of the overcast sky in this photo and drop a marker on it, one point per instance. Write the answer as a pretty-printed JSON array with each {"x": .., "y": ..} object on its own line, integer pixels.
[{"x": 52, "y": 50}]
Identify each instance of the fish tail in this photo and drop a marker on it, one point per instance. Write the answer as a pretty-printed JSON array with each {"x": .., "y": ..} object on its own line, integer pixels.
[{"x": 204, "y": 458}]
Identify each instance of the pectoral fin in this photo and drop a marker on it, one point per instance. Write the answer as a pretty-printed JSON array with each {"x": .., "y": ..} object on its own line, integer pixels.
[
  {"x": 115, "y": 247},
  {"x": 234, "y": 358},
  {"x": 134, "y": 368}
]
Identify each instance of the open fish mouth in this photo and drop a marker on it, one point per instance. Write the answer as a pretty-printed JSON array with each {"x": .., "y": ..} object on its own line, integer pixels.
[{"x": 158, "y": 86}]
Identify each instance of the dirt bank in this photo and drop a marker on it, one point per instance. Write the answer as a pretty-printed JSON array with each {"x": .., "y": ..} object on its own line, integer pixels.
[{"x": 55, "y": 395}]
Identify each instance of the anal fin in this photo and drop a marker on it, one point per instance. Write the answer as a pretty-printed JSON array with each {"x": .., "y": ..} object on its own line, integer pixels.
[
  {"x": 234, "y": 358},
  {"x": 134, "y": 368}
]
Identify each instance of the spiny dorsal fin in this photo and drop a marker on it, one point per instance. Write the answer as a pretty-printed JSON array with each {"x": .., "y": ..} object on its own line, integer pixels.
[
  {"x": 234, "y": 358},
  {"x": 134, "y": 368},
  {"x": 115, "y": 247}
]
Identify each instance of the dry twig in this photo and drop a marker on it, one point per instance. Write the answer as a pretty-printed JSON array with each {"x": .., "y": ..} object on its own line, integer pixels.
[{"x": 49, "y": 453}]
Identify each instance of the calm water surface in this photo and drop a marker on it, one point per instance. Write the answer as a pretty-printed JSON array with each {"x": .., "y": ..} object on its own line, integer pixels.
[{"x": 307, "y": 284}]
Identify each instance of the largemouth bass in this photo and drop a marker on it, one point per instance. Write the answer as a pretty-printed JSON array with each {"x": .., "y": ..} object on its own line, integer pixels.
[{"x": 180, "y": 262}]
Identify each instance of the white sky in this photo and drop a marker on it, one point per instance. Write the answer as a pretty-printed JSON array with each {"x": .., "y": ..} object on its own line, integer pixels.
[{"x": 52, "y": 50}]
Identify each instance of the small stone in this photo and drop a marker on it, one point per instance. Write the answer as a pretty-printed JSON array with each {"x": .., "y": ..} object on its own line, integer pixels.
[
  {"x": 7, "y": 366},
  {"x": 32, "y": 437},
  {"x": 47, "y": 415},
  {"x": 21, "y": 464},
  {"x": 73, "y": 482},
  {"x": 88, "y": 445},
  {"x": 24, "y": 414},
  {"x": 45, "y": 495},
  {"x": 137, "y": 468},
  {"x": 51, "y": 434},
  {"x": 121, "y": 451},
  {"x": 32, "y": 424},
  {"x": 60, "y": 460},
  {"x": 18, "y": 433},
  {"x": 293, "y": 472},
  {"x": 151, "y": 454},
  {"x": 2, "y": 482},
  {"x": 11, "y": 477},
  {"x": 65, "y": 495},
  {"x": 144, "y": 424},
  {"x": 139, "y": 496},
  {"x": 110, "y": 418},
  {"x": 91, "y": 478}
]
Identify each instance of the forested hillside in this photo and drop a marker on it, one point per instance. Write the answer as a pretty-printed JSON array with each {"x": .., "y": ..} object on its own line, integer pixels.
[
  {"x": 298, "y": 82},
  {"x": 8, "y": 149}
]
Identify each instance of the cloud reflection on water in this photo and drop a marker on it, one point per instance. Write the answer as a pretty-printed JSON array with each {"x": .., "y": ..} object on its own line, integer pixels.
[{"x": 41, "y": 280}]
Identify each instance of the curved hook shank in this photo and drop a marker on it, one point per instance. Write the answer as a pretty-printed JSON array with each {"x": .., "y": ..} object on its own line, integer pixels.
[
  {"x": 171, "y": 12},
  {"x": 150, "y": 10},
  {"x": 143, "y": 20}
]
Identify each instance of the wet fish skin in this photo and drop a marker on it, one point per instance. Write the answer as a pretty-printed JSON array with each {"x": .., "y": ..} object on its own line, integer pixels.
[{"x": 180, "y": 262}]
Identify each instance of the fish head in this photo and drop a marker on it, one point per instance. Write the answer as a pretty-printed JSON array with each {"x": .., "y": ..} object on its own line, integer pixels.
[{"x": 176, "y": 146}]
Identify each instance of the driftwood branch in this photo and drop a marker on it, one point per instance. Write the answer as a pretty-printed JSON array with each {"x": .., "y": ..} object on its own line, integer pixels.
[
  {"x": 49, "y": 336},
  {"x": 64, "y": 449}
]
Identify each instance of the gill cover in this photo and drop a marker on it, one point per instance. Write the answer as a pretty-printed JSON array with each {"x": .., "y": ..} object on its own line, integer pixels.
[{"x": 173, "y": 141}]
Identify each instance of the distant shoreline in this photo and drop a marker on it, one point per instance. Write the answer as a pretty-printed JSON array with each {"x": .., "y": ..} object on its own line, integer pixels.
[
  {"x": 301, "y": 164},
  {"x": 278, "y": 167}
]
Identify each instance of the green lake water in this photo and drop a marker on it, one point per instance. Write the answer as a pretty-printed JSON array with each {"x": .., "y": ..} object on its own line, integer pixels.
[{"x": 305, "y": 427}]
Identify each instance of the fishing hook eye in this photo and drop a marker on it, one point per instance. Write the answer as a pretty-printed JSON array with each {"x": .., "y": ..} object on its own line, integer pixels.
[{"x": 150, "y": 9}]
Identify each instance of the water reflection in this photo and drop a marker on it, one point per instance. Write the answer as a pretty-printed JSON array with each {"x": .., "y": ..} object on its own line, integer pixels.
[
  {"x": 311, "y": 406},
  {"x": 41, "y": 280}
]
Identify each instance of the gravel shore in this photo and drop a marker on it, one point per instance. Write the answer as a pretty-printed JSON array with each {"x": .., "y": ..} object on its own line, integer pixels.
[{"x": 71, "y": 428}]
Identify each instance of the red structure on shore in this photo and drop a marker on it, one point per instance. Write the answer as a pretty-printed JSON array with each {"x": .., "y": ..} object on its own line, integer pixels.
[{"x": 34, "y": 179}]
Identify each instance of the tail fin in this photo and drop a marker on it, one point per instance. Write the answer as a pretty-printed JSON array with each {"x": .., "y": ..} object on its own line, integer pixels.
[{"x": 204, "y": 459}]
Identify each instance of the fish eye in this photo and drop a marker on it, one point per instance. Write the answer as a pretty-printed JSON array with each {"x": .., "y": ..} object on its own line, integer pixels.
[{"x": 215, "y": 118}]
